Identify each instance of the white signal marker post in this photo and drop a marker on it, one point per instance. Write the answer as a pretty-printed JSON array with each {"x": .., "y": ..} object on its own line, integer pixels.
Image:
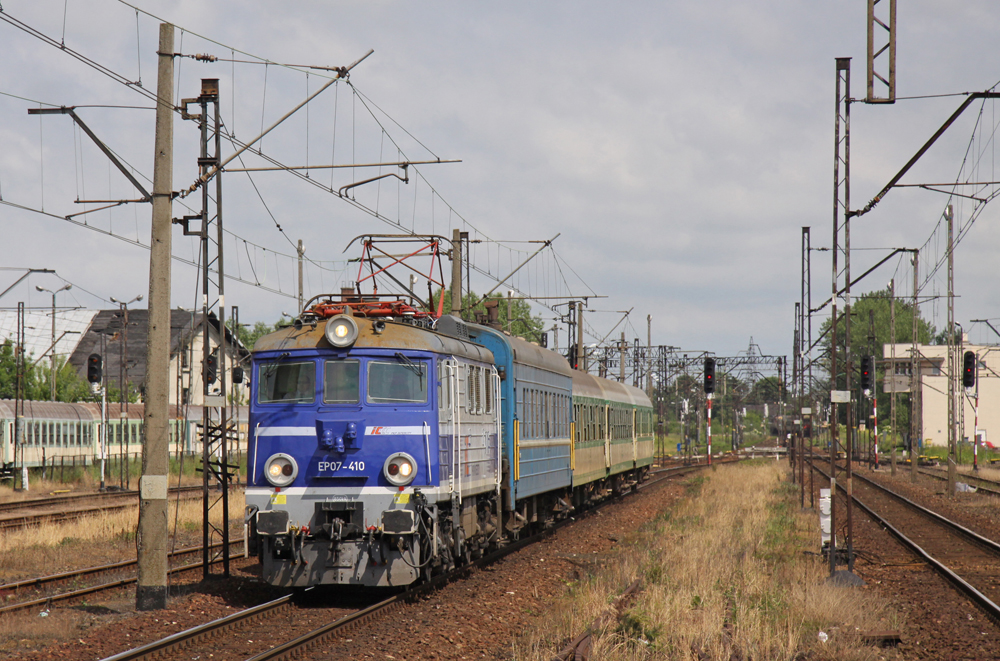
[
  {"x": 875, "y": 419},
  {"x": 710, "y": 397},
  {"x": 975, "y": 432}
]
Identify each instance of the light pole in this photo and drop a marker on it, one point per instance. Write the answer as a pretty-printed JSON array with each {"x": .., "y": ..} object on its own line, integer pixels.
[
  {"x": 123, "y": 428},
  {"x": 52, "y": 349}
]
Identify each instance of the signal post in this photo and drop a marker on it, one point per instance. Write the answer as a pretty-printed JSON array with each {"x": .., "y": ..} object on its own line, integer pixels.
[
  {"x": 969, "y": 361},
  {"x": 709, "y": 396}
]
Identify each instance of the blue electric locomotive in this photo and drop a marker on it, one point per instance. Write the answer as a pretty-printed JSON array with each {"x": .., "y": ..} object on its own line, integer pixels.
[{"x": 382, "y": 451}]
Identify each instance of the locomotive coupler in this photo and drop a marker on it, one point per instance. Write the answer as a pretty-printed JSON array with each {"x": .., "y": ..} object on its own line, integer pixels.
[
  {"x": 337, "y": 527},
  {"x": 371, "y": 546}
]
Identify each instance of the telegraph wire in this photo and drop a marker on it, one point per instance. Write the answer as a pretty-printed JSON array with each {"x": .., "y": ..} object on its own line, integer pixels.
[
  {"x": 137, "y": 86},
  {"x": 140, "y": 244},
  {"x": 7, "y": 18},
  {"x": 257, "y": 58}
]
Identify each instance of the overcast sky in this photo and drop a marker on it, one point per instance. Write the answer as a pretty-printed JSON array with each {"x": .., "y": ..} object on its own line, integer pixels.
[{"x": 677, "y": 148}]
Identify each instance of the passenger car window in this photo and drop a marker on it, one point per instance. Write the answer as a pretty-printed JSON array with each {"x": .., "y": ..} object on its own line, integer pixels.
[
  {"x": 286, "y": 382},
  {"x": 397, "y": 382},
  {"x": 341, "y": 380}
]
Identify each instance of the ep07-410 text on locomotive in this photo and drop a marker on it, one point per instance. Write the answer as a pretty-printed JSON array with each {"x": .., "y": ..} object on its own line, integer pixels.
[{"x": 386, "y": 449}]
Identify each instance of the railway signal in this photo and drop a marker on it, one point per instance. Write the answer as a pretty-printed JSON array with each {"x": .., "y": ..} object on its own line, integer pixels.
[
  {"x": 709, "y": 376},
  {"x": 867, "y": 373},
  {"x": 94, "y": 368},
  {"x": 212, "y": 367},
  {"x": 969, "y": 369}
]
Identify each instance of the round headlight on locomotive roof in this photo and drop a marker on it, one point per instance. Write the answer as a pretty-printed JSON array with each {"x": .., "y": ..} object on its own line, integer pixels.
[
  {"x": 341, "y": 331},
  {"x": 281, "y": 470},
  {"x": 400, "y": 469}
]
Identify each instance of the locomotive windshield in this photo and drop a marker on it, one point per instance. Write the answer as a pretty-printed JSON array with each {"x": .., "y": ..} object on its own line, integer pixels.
[
  {"x": 397, "y": 382},
  {"x": 287, "y": 382},
  {"x": 340, "y": 381}
]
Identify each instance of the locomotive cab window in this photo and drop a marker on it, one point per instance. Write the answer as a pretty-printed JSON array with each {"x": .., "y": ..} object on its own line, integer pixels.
[
  {"x": 341, "y": 379},
  {"x": 283, "y": 382},
  {"x": 397, "y": 382}
]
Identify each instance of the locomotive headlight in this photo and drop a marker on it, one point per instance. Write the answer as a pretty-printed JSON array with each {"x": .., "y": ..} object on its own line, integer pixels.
[
  {"x": 341, "y": 331},
  {"x": 400, "y": 469},
  {"x": 281, "y": 470}
]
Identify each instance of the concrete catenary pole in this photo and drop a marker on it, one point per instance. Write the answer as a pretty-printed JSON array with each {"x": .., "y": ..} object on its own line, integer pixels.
[
  {"x": 301, "y": 253},
  {"x": 456, "y": 273},
  {"x": 649, "y": 356},
  {"x": 952, "y": 424},
  {"x": 621, "y": 359},
  {"x": 916, "y": 422},
  {"x": 892, "y": 376},
  {"x": 151, "y": 586}
]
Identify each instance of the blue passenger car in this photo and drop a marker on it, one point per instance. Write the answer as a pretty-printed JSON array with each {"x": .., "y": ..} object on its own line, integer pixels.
[{"x": 536, "y": 429}]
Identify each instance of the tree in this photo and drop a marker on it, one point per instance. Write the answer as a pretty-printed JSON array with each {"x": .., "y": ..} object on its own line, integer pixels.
[
  {"x": 248, "y": 335},
  {"x": 520, "y": 321},
  {"x": 767, "y": 390},
  {"x": 70, "y": 387},
  {"x": 8, "y": 374},
  {"x": 878, "y": 303}
]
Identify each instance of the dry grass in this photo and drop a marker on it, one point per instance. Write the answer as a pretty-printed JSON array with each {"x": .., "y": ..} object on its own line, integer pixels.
[
  {"x": 97, "y": 540},
  {"x": 985, "y": 471},
  {"x": 725, "y": 576},
  {"x": 85, "y": 543},
  {"x": 77, "y": 482}
]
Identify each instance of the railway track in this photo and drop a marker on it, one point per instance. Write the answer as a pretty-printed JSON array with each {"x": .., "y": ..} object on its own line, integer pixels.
[
  {"x": 59, "y": 509},
  {"x": 282, "y": 619},
  {"x": 39, "y": 586},
  {"x": 13, "y": 505},
  {"x": 983, "y": 485},
  {"x": 967, "y": 560}
]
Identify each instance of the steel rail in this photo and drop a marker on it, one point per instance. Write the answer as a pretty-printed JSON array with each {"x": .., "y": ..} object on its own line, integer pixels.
[
  {"x": 971, "y": 536},
  {"x": 181, "y": 638},
  {"x": 979, "y": 488},
  {"x": 303, "y": 643},
  {"x": 974, "y": 537},
  {"x": 29, "y": 520},
  {"x": 991, "y": 609},
  {"x": 579, "y": 648},
  {"x": 116, "y": 566},
  {"x": 296, "y": 646},
  {"x": 73, "y": 497}
]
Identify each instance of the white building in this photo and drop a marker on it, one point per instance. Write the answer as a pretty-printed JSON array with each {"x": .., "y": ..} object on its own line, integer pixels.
[{"x": 933, "y": 380}]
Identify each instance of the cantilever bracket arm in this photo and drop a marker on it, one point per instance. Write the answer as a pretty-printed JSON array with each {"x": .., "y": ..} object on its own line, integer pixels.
[
  {"x": 405, "y": 179},
  {"x": 68, "y": 110},
  {"x": 545, "y": 244},
  {"x": 920, "y": 152},
  {"x": 882, "y": 261}
]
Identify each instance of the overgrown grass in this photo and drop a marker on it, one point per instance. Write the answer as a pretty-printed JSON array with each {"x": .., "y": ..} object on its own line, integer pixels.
[{"x": 726, "y": 575}]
